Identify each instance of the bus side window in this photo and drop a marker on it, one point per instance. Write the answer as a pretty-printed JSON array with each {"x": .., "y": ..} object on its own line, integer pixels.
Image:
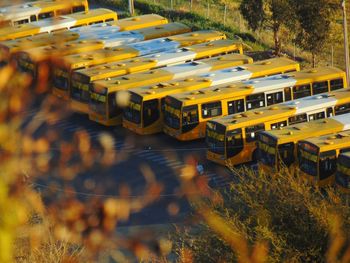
[
  {"x": 250, "y": 131},
  {"x": 235, "y": 106},
  {"x": 301, "y": 91},
  {"x": 317, "y": 116},
  {"x": 33, "y": 18},
  {"x": 274, "y": 98},
  {"x": 345, "y": 150},
  {"x": 319, "y": 87},
  {"x": 109, "y": 20},
  {"x": 20, "y": 22},
  {"x": 277, "y": 125},
  {"x": 255, "y": 101},
  {"x": 80, "y": 8},
  {"x": 45, "y": 15},
  {"x": 336, "y": 84},
  {"x": 342, "y": 109},
  {"x": 97, "y": 22},
  {"x": 297, "y": 119},
  {"x": 329, "y": 112},
  {"x": 287, "y": 94},
  {"x": 212, "y": 109}
]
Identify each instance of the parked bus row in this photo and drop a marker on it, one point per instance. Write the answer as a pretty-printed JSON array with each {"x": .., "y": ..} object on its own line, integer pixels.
[
  {"x": 28, "y": 12},
  {"x": 190, "y": 85}
]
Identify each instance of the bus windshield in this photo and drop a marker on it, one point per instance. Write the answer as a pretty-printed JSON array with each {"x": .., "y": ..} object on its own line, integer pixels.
[
  {"x": 343, "y": 171},
  {"x": 80, "y": 88},
  {"x": 327, "y": 164},
  {"x": 286, "y": 153},
  {"x": 267, "y": 150},
  {"x": 60, "y": 79},
  {"x": 234, "y": 142},
  {"x": 98, "y": 102},
  {"x": 308, "y": 158},
  {"x": 190, "y": 118},
  {"x": 172, "y": 113},
  {"x": 26, "y": 66},
  {"x": 216, "y": 138},
  {"x": 150, "y": 112},
  {"x": 132, "y": 113}
]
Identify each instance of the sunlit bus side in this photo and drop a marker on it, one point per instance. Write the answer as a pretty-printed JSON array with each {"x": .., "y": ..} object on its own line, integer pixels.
[
  {"x": 203, "y": 105},
  {"x": 114, "y": 50},
  {"x": 33, "y": 11},
  {"x": 82, "y": 79},
  {"x": 48, "y": 25},
  {"x": 342, "y": 176},
  {"x": 144, "y": 114},
  {"x": 277, "y": 148},
  {"x": 317, "y": 157},
  {"x": 232, "y": 139},
  {"x": 158, "y": 60},
  {"x": 212, "y": 79},
  {"x": 36, "y": 62},
  {"x": 96, "y": 31},
  {"x": 112, "y": 115}
]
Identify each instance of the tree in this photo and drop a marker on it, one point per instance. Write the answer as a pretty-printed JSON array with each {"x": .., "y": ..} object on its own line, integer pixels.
[
  {"x": 268, "y": 15},
  {"x": 313, "y": 29},
  {"x": 268, "y": 218}
]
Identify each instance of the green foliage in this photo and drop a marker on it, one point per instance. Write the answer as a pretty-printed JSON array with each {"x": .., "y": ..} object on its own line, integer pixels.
[
  {"x": 292, "y": 218},
  {"x": 253, "y": 12},
  {"x": 314, "y": 23},
  {"x": 268, "y": 14}
]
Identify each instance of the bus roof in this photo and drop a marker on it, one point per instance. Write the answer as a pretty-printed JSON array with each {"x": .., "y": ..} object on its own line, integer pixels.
[
  {"x": 162, "y": 59},
  {"x": 132, "y": 23},
  {"x": 116, "y": 35},
  {"x": 38, "y": 40},
  {"x": 300, "y": 131},
  {"x": 329, "y": 142},
  {"x": 171, "y": 87},
  {"x": 286, "y": 109},
  {"x": 186, "y": 70},
  {"x": 54, "y": 23},
  {"x": 258, "y": 85},
  {"x": 45, "y": 52},
  {"x": 34, "y": 8}
]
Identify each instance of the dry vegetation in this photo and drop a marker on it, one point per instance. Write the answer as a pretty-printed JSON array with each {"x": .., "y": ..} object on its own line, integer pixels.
[{"x": 264, "y": 218}]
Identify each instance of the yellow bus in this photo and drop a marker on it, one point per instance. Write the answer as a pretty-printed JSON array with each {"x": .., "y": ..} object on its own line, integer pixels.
[
  {"x": 153, "y": 61},
  {"x": 277, "y": 148},
  {"x": 113, "y": 51},
  {"x": 101, "y": 30},
  {"x": 144, "y": 96},
  {"x": 232, "y": 139},
  {"x": 342, "y": 175},
  {"x": 36, "y": 62},
  {"x": 58, "y": 23},
  {"x": 103, "y": 107},
  {"x": 206, "y": 104},
  {"x": 82, "y": 79},
  {"x": 317, "y": 157},
  {"x": 33, "y": 11}
]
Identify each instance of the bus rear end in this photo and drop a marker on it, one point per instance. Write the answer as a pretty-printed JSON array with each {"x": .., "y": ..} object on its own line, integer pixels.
[{"x": 342, "y": 177}]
